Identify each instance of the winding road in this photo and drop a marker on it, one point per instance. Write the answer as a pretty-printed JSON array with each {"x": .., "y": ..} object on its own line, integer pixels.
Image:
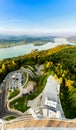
[
  {"x": 27, "y": 70},
  {"x": 4, "y": 104},
  {"x": 3, "y": 107}
]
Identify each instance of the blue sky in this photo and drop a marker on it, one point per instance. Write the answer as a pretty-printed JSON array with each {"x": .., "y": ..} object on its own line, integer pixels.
[{"x": 37, "y": 16}]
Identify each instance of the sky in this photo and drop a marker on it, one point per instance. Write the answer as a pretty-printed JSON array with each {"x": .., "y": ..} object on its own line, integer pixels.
[{"x": 37, "y": 16}]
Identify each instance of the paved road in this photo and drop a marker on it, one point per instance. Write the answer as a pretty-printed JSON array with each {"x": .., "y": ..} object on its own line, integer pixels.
[
  {"x": 27, "y": 70},
  {"x": 19, "y": 95},
  {"x": 3, "y": 109}
]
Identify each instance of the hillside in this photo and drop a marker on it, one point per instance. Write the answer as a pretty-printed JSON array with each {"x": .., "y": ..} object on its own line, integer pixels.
[{"x": 60, "y": 60}]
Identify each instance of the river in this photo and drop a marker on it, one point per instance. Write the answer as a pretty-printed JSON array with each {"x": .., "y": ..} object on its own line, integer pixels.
[{"x": 25, "y": 49}]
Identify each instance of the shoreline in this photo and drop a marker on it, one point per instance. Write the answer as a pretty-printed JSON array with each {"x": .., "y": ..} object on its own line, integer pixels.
[
  {"x": 9, "y": 45},
  {"x": 22, "y": 49}
]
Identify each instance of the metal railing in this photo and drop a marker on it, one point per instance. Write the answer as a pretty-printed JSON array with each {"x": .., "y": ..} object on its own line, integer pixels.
[{"x": 2, "y": 124}]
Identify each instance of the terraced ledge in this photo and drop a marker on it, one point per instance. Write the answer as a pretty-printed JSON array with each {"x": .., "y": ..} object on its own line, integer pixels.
[{"x": 23, "y": 123}]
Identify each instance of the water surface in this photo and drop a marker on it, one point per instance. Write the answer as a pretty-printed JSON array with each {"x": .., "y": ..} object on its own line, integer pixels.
[{"x": 25, "y": 49}]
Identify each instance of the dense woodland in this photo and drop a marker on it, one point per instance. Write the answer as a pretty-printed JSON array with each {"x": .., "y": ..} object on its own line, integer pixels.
[{"x": 61, "y": 61}]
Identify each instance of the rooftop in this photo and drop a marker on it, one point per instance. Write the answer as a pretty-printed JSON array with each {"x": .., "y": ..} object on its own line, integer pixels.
[{"x": 50, "y": 103}]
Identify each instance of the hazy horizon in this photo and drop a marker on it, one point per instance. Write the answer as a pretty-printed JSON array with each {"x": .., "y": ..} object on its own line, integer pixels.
[{"x": 37, "y": 34}]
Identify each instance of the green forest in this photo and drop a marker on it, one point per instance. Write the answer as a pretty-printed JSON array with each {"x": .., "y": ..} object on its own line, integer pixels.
[{"x": 61, "y": 61}]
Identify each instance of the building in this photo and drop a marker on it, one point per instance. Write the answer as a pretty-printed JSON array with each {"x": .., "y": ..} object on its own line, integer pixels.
[
  {"x": 45, "y": 112},
  {"x": 50, "y": 103},
  {"x": 51, "y": 114},
  {"x": 48, "y": 113},
  {"x": 58, "y": 114},
  {"x": 50, "y": 108}
]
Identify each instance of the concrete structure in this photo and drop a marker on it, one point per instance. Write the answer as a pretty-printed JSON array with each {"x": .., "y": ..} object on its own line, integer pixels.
[
  {"x": 24, "y": 123},
  {"x": 45, "y": 112},
  {"x": 49, "y": 109},
  {"x": 58, "y": 114},
  {"x": 47, "y": 102},
  {"x": 50, "y": 103},
  {"x": 33, "y": 113},
  {"x": 48, "y": 113},
  {"x": 51, "y": 114}
]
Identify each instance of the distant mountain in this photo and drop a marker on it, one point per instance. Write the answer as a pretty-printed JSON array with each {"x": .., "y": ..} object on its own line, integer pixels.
[
  {"x": 72, "y": 39},
  {"x": 4, "y": 39}
]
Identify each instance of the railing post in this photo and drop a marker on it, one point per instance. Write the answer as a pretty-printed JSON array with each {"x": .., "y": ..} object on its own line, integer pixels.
[{"x": 1, "y": 121}]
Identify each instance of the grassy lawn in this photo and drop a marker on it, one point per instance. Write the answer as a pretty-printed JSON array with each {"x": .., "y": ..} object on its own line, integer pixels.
[
  {"x": 14, "y": 93},
  {"x": 25, "y": 75},
  {"x": 10, "y": 118},
  {"x": 21, "y": 103}
]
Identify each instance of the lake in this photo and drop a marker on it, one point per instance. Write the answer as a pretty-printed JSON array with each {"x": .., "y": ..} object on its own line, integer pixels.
[{"x": 25, "y": 49}]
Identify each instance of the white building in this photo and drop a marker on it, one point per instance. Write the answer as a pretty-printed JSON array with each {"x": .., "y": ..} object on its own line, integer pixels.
[
  {"x": 45, "y": 112},
  {"x": 58, "y": 114},
  {"x": 48, "y": 113},
  {"x": 50, "y": 103},
  {"x": 52, "y": 114}
]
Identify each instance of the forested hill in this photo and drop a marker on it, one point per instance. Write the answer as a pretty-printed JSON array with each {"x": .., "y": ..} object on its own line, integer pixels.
[
  {"x": 25, "y": 39},
  {"x": 60, "y": 60},
  {"x": 10, "y": 41}
]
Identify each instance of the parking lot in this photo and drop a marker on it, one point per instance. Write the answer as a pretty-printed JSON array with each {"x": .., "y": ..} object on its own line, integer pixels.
[{"x": 16, "y": 80}]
